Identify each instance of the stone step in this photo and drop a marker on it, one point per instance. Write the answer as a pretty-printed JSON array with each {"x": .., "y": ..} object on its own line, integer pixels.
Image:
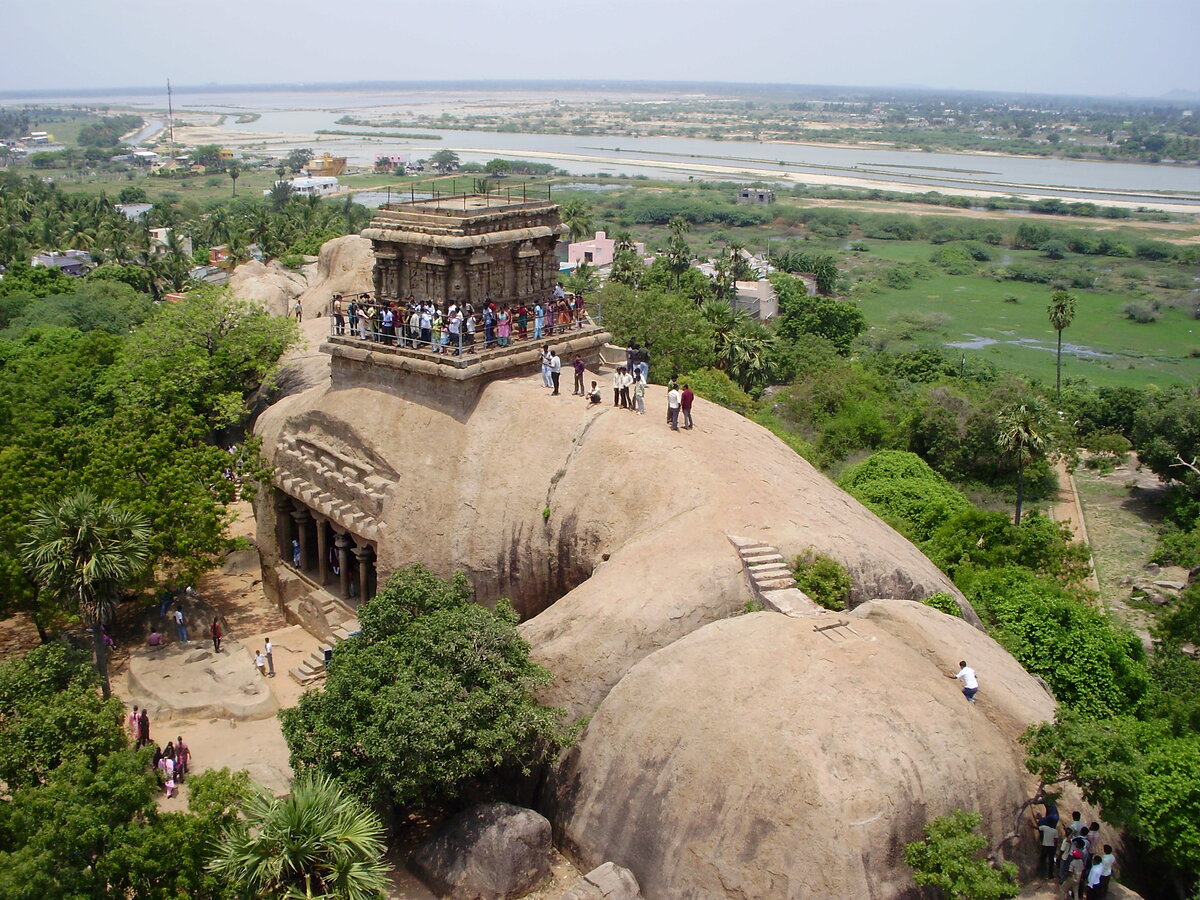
[
  {"x": 301, "y": 676},
  {"x": 765, "y": 559},
  {"x": 773, "y": 570},
  {"x": 792, "y": 602},
  {"x": 778, "y": 584},
  {"x": 756, "y": 550}
]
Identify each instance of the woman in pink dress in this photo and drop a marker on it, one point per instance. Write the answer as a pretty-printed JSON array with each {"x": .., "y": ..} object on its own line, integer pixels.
[{"x": 503, "y": 326}]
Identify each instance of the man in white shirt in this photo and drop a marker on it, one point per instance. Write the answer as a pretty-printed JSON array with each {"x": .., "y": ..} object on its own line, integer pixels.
[
  {"x": 673, "y": 399},
  {"x": 555, "y": 371},
  {"x": 269, "y": 651},
  {"x": 970, "y": 684}
]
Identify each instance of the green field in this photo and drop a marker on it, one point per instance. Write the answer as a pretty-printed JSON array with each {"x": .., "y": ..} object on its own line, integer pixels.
[{"x": 1112, "y": 349}]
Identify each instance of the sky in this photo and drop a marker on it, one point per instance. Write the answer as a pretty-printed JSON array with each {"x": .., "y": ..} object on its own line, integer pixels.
[{"x": 1092, "y": 47}]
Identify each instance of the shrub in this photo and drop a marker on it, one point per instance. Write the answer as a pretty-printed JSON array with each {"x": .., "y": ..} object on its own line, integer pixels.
[
  {"x": 717, "y": 387},
  {"x": 1091, "y": 664},
  {"x": 944, "y": 603},
  {"x": 1141, "y": 311},
  {"x": 902, "y": 488},
  {"x": 293, "y": 261},
  {"x": 949, "y": 858},
  {"x": 823, "y": 578}
]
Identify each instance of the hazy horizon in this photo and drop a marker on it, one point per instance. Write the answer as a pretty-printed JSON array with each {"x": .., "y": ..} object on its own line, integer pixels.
[{"x": 1087, "y": 48}]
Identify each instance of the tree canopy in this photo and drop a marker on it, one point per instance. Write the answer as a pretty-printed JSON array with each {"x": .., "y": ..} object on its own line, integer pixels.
[{"x": 432, "y": 697}]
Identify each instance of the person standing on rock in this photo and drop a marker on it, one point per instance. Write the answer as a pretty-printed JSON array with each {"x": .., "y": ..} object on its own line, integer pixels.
[
  {"x": 260, "y": 663},
  {"x": 546, "y": 366},
  {"x": 555, "y": 371},
  {"x": 685, "y": 405},
  {"x": 182, "y": 756},
  {"x": 639, "y": 394},
  {"x": 143, "y": 732},
  {"x": 970, "y": 684},
  {"x": 1048, "y": 835},
  {"x": 298, "y": 311},
  {"x": 339, "y": 320},
  {"x": 133, "y": 723},
  {"x": 180, "y": 628},
  {"x": 673, "y": 400},
  {"x": 579, "y": 368},
  {"x": 269, "y": 650},
  {"x": 217, "y": 634}
]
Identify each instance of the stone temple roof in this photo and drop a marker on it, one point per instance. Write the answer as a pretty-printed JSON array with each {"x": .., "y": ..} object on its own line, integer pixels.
[{"x": 465, "y": 221}]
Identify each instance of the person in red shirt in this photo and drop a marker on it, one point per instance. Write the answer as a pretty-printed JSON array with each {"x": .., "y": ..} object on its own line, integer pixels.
[{"x": 685, "y": 405}]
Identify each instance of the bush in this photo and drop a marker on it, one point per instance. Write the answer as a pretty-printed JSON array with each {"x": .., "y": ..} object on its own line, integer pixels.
[
  {"x": 944, "y": 603},
  {"x": 902, "y": 488},
  {"x": 823, "y": 578},
  {"x": 949, "y": 858},
  {"x": 1141, "y": 311},
  {"x": 1091, "y": 664},
  {"x": 293, "y": 261},
  {"x": 717, "y": 387}
]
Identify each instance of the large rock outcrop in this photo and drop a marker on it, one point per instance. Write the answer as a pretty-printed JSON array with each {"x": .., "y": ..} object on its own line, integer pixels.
[
  {"x": 728, "y": 755},
  {"x": 343, "y": 266},
  {"x": 614, "y": 519},
  {"x": 766, "y": 756}
]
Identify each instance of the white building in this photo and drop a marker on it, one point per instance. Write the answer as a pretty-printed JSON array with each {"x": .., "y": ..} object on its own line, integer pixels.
[{"x": 311, "y": 185}]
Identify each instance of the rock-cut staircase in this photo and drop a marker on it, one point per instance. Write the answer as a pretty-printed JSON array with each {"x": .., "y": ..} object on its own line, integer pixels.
[
  {"x": 771, "y": 579},
  {"x": 313, "y": 667}
]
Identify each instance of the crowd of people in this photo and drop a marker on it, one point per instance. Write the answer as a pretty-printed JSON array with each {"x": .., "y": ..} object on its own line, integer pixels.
[
  {"x": 1072, "y": 853},
  {"x": 170, "y": 763},
  {"x": 455, "y": 328}
]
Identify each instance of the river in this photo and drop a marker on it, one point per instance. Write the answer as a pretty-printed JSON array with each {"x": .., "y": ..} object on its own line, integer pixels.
[{"x": 298, "y": 113}]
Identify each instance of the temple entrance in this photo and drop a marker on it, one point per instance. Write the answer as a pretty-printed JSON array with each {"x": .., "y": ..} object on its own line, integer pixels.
[{"x": 324, "y": 552}]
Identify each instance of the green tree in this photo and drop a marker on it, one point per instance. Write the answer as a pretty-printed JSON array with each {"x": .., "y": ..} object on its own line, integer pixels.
[
  {"x": 281, "y": 193},
  {"x": 1062, "y": 313},
  {"x": 234, "y": 172},
  {"x": 316, "y": 842},
  {"x": 50, "y": 713},
  {"x": 498, "y": 167},
  {"x": 949, "y": 858},
  {"x": 445, "y": 160},
  {"x": 584, "y": 280},
  {"x": 839, "y": 321},
  {"x": 94, "y": 832},
  {"x": 823, "y": 578},
  {"x": 1024, "y": 435},
  {"x": 435, "y": 695},
  {"x": 299, "y": 158},
  {"x": 902, "y": 489},
  {"x": 82, "y": 552},
  {"x": 670, "y": 327},
  {"x": 578, "y": 218}
]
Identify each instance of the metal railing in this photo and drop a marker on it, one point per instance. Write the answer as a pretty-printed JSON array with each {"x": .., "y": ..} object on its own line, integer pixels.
[{"x": 440, "y": 334}]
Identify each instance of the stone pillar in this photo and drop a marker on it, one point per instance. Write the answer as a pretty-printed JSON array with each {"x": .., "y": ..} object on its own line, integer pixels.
[
  {"x": 364, "y": 553},
  {"x": 283, "y": 530},
  {"x": 302, "y": 518},
  {"x": 343, "y": 542},
  {"x": 322, "y": 552}
]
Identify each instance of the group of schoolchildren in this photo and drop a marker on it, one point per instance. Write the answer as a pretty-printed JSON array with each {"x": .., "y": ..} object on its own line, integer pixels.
[
  {"x": 1073, "y": 854},
  {"x": 456, "y": 328}
]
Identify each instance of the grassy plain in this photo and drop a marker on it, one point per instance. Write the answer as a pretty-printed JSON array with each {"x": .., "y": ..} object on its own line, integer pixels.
[{"x": 1102, "y": 346}]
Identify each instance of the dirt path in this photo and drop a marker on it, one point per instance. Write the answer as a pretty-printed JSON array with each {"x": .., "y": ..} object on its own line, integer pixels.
[{"x": 1066, "y": 509}]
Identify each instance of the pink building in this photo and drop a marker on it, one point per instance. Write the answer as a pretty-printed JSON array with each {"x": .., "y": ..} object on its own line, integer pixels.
[{"x": 598, "y": 251}]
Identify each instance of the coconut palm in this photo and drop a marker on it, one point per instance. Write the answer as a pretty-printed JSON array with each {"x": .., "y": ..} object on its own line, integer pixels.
[
  {"x": 578, "y": 218},
  {"x": 1062, "y": 312},
  {"x": 318, "y": 842},
  {"x": 234, "y": 172},
  {"x": 81, "y": 552},
  {"x": 1024, "y": 434}
]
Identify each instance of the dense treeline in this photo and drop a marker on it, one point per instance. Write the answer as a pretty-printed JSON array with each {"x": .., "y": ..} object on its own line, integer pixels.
[
  {"x": 107, "y": 132},
  {"x": 40, "y": 216}
]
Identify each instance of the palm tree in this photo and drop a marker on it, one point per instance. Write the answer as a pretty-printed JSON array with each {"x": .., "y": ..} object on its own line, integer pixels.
[
  {"x": 82, "y": 552},
  {"x": 1025, "y": 435},
  {"x": 1062, "y": 312},
  {"x": 319, "y": 842},
  {"x": 578, "y": 218},
  {"x": 234, "y": 171}
]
